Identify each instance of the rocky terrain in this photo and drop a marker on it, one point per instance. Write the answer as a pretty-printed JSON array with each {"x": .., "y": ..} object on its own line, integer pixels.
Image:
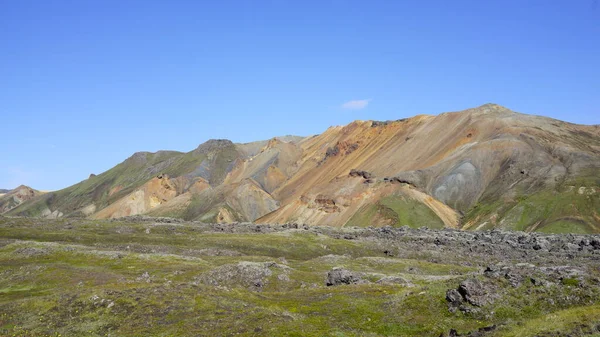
[
  {"x": 482, "y": 168},
  {"x": 143, "y": 276}
]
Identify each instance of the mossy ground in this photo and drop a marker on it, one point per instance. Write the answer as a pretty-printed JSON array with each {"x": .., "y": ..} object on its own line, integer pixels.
[
  {"x": 103, "y": 278},
  {"x": 396, "y": 211},
  {"x": 569, "y": 208}
]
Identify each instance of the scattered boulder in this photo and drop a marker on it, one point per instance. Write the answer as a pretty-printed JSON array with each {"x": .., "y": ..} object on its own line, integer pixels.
[
  {"x": 494, "y": 271},
  {"x": 539, "y": 276},
  {"x": 470, "y": 292},
  {"x": 251, "y": 275},
  {"x": 514, "y": 275},
  {"x": 394, "y": 280},
  {"x": 481, "y": 332},
  {"x": 454, "y": 299},
  {"x": 217, "y": 252},
  {"x": 145, "y": 277},
  {"x": 514, "y": 278},
  {"x": 540, "y": 282},
  {"x": 338, "y": 276},
  {"x": 32, "y": 251}
]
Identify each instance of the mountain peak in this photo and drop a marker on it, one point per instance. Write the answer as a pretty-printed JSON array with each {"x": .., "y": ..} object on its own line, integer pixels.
[
  {"x": 492, "y": 105},
  {"x": 138, "y": 157},
  {"x": 492, "y": 108}
]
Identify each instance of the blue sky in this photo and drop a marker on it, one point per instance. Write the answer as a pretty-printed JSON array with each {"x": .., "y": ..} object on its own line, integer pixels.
[{"x": 84, "y": 84}]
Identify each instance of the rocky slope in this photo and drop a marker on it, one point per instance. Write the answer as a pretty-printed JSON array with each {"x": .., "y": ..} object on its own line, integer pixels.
[{"x": 481, "y": 168}]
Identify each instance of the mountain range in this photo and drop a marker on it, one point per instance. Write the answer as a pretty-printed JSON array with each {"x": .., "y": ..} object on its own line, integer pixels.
[{"x": 481, "y": 168}]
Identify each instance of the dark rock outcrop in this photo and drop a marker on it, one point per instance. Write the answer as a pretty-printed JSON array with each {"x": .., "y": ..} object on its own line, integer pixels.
[
  {"x": 326, "y": 204},
  {"x": 359, "y": 173},
  {"x": 343, "y": 147}
]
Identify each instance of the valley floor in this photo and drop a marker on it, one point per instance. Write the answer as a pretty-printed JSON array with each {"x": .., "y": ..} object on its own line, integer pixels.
[{"x": 164, "y": 277}]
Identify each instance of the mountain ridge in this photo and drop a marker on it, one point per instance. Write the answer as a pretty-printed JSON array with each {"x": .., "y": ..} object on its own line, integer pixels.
[{"x": 479, "y": 168}]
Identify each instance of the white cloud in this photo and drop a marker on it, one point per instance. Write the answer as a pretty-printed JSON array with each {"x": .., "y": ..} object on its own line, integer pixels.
[{"x": 356, "y": 104}]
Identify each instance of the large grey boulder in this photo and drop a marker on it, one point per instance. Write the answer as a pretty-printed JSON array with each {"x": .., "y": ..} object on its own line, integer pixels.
[
  {"x": 338, "y": 276},
  {"x": 472, "y": 291}
]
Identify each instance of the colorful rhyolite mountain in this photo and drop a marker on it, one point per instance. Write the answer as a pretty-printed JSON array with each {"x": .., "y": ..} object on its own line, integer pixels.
[{"x": 481, "y": 168}]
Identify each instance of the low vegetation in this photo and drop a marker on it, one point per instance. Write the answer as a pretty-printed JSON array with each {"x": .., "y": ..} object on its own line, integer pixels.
[{"x": 166, "y": 277}]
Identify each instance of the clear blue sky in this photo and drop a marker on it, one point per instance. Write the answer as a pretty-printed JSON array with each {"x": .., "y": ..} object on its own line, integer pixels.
[{"x": 84, "y": 84}]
